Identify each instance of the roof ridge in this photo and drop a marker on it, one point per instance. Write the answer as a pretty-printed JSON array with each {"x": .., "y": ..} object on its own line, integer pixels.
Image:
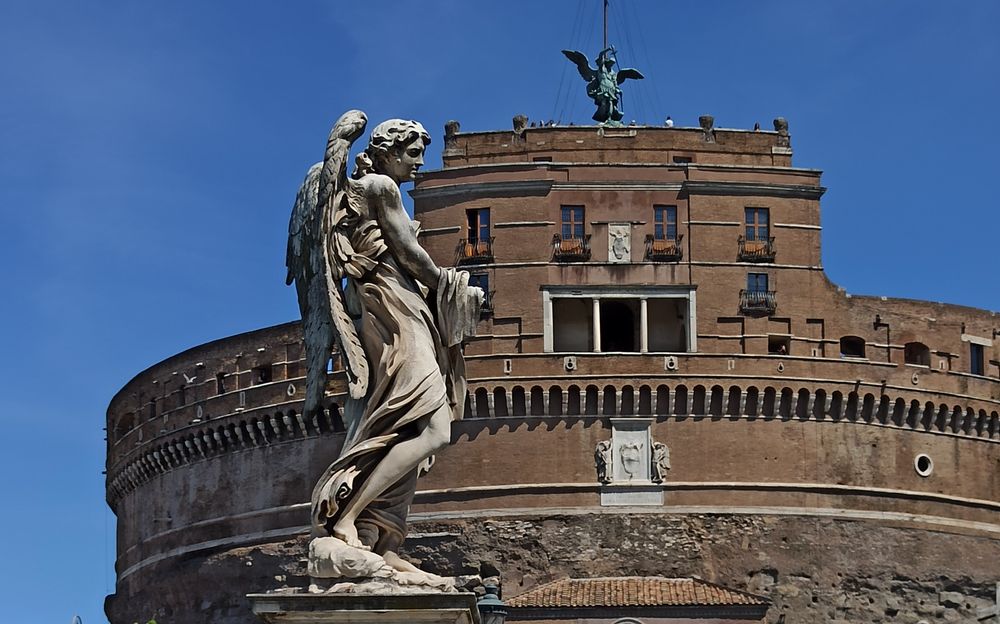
[
  {"x": 540, "y": 587},
  {"x": 619, "y": 589},
  {"x": 732, "y": 590}
]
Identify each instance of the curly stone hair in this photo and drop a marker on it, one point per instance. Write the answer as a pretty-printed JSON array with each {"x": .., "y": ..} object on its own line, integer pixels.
[{"x": 387, "y": 137}]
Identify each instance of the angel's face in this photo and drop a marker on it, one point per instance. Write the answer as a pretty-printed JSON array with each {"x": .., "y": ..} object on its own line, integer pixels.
[{"x": 403, "y": 166}]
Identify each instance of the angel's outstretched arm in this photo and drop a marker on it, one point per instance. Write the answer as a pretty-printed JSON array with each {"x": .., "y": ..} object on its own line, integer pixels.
[{"x": 398, "y": 233}]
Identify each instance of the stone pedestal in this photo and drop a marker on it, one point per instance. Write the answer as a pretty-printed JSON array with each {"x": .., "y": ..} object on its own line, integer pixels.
[{"x": 345, "y": 608}]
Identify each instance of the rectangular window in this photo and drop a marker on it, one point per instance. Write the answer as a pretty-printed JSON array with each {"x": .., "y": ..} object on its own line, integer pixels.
[
  {"x": 660, "y": 320},
  {"x": 572, "y": 222},
  {"x": 478, "y": 224},
  {"x": 779, "y": 345},
  {"x": 262, "y": 374},
  {"x": 683, "y": 160},
  {"x": 481, "y": 280},
  {"x": 757, "y": 224},
  {"x": 757, "y": 282},
  {"x": 665, "y": 222},
  {"x": 976, "y": 364}
]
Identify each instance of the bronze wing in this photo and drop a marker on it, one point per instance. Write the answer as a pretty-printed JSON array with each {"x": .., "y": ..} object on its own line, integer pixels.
[
  {"x": 582, "y": 64},
  {"x": 625, "y": 74}
]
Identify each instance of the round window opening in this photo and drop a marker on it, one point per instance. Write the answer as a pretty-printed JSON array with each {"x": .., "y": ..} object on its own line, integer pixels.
[{"x": 924, "y": 465}]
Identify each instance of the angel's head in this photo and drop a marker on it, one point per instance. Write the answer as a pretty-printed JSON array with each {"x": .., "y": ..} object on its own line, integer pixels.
[{"x": 396, "y": 149}]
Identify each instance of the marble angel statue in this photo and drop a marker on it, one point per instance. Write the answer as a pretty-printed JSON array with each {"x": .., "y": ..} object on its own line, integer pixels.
[{"x": 365, "y": 285}]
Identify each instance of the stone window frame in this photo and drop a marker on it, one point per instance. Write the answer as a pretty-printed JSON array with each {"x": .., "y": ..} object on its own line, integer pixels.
[
  {"x": 575, "y": 226},
  {"x": 474, "y": 224},
  {"x": 752, "y": 226},
  {"x": 668, "y": 212},
  {"x": 983, "y": 344},
  {"x": 754, "y": 280}
]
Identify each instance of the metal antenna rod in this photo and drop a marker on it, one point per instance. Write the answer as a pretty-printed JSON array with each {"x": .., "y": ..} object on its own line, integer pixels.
[{"x": 605, "y": 25}]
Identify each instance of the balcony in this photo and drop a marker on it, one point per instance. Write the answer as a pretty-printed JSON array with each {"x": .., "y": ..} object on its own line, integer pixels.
[
  {"x": 756, "y": 250},
  {"x": 663, "y": 250},
  {"x": 570, "y": 249},
  {"x": 758, "y": 302},
  {"x": 474, "y": 251}
]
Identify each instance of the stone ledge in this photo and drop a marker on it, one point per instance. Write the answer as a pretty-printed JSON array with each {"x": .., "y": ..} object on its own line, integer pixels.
[{"x": 305, "y": 608}]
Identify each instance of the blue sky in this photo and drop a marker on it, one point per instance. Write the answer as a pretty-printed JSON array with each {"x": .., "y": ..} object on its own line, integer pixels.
[{"x": 150, "y": 153}]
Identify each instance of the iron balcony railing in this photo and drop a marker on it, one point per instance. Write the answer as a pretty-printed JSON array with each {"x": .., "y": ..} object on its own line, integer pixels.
[
  {"x": 756, "y": 250},
  {"x": 664, "y": 249},
  {"x": 474, "y": 251},
  {"x": 571, "y": 249},
  {"x": 758, "y": 301}
]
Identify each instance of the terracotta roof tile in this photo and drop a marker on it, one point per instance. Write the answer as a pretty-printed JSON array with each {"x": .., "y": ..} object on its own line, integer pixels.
[{"x": 632, "y": 591}]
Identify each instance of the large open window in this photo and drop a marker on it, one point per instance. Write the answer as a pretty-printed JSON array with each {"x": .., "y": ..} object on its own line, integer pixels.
[
  {"x": 630, "y": 320},
  {"x": 916, "y": 353},
  {"x": 478, "y": 224},
  {"x": 852, "y": 347},
  {"x": 573, "y": 331}
]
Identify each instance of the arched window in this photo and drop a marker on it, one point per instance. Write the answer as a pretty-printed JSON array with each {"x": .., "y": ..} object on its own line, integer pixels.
[
  {"x": 500, "y": 402},
  {"x": 537, "y": 400},
  {"x": 916, "y": 353},
  {"x": 482, "y": 403},
  {"x": 519, "y": 402},
  {"x": 610, "y": 402},
  {"x": 573, "y": 404},
  {"x": 591, "y": 402},
  {"x": 852, "y": 347}
]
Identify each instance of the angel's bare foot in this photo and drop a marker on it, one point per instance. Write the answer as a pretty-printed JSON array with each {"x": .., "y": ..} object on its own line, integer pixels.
[
  {"x": 348, "y": 533},
  {"x": 399, "y": 564}
]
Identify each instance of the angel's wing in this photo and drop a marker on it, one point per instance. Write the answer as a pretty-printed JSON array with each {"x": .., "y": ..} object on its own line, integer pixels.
[
  {"x": 317, "y": 278},
  {"x": 625, "y": 74},
  {"x": 582, "y": 64},
  {"x": 303, "y": 268}
]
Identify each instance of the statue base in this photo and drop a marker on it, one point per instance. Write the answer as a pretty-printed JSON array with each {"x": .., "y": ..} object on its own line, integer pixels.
[
  {"x": 303, "y": 607},
  {"x": 335, "y": 567}
]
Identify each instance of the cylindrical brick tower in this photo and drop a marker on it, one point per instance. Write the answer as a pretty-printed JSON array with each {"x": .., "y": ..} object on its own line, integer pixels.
[{"x": 647, "y": 286}]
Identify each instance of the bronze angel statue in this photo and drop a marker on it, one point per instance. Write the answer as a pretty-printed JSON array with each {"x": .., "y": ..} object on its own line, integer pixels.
[
  {"x": 365, "y": 284},
  {"x": 603, "y": 83}
]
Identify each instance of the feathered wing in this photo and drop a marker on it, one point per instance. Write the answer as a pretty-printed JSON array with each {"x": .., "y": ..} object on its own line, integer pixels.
[
  {"x": 317, "y": 273},
  {"x": 625, "y": 74},
  {"x": 305, "y": 269},
  {"x": 582, "y": 64}
]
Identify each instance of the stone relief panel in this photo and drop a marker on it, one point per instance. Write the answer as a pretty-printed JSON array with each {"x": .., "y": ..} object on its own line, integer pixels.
[
  {"x": 631, "y": 466},
  {"x": 620, "y": 242}
]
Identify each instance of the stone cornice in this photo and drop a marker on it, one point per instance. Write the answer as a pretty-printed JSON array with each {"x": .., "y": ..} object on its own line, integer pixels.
[
  {"x": 524, "y": 188},
  {"x": 753, "y": 189},
  {"x": 513, "y": 188},
  {"x": 560, "y": 165}
]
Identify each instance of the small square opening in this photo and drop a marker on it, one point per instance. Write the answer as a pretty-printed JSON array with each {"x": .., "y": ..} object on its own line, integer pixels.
[
  {"x": 779, "y": 345},
  {"x": 262, "y": 374}
]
